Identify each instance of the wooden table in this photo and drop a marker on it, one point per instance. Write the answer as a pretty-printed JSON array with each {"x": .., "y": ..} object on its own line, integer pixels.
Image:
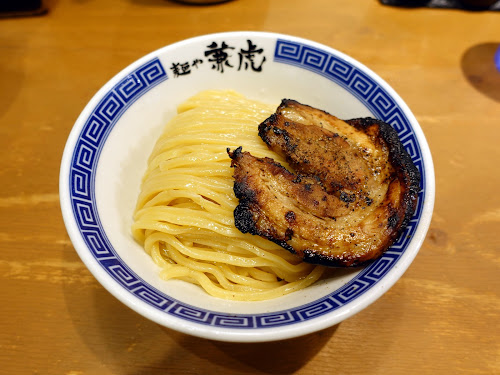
[{"x": 441, "y": 317}]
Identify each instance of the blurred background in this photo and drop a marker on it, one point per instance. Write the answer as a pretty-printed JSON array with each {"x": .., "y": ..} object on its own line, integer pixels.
[{"x": 441, "y": 317}]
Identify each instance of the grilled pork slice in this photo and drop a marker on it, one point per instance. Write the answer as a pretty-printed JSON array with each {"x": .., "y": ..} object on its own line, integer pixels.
[{"x": 352, "y": 190}]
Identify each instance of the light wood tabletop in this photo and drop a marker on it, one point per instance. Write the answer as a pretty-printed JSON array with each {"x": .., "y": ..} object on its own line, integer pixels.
[{"x": 441, "y": 317}]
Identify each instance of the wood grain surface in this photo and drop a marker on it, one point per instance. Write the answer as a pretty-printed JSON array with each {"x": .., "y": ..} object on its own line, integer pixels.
[{"x": 441, "y": 317}]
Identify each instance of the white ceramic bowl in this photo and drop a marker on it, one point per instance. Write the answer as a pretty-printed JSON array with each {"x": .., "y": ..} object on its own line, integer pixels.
[{"x": 105, "y": 158}]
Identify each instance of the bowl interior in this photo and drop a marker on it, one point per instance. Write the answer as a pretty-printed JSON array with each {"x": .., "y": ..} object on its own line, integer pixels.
[{"x": 107, "y": 152}]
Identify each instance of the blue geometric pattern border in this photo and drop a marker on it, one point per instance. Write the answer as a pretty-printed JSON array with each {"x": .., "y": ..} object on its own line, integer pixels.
[{"x": 108, "y": 111}]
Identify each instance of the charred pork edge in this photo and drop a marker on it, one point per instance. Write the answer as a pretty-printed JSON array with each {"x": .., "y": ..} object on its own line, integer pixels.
[
  {"x": 399, "y": 159},
  {"x": 244, "y": 219}
]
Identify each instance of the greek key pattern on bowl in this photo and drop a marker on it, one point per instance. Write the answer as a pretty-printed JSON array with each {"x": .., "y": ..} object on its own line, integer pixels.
[
  {"x": 89, "y": 145},
  {"x": 120, "y": 97},
  {"x": 347, "y": 75}
]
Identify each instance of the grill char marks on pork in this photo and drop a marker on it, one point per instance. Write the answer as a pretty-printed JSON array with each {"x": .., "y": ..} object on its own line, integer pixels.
[{"x": 351, "y": 189}]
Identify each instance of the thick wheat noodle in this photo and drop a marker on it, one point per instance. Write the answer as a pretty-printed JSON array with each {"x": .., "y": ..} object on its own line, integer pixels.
[{"x": 184, "y": 213}]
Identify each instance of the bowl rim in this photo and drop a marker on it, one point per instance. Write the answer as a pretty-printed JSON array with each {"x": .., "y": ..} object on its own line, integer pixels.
[{"x": 260, "y": 334}]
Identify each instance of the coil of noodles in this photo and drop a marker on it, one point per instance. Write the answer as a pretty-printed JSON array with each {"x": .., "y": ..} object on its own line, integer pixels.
[{"x": 184, "y": 213}]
